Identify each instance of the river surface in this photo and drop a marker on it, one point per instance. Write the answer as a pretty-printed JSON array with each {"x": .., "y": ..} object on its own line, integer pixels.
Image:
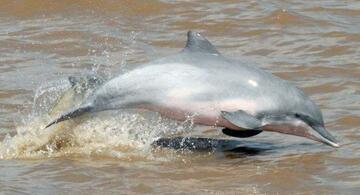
[{"x": 314, "y": 44}]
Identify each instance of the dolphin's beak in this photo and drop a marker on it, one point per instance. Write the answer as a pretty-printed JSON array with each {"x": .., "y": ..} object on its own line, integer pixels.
[
  {"x": 299, "y": 128},
  {"x": 320, "y": 134}
]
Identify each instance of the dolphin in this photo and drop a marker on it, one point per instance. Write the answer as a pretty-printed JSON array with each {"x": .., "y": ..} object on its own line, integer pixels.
[{"x": 213, "y": 90}]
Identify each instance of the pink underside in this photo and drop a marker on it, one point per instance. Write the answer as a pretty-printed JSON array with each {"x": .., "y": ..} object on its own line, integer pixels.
[
  {"x": 212, "y": 117},
  {"x": 200, "y": 112},
  {"x": 209, "y": 117}
]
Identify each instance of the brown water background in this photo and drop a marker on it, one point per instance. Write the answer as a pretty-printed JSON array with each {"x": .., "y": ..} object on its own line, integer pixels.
[{"x": 314, "y": 44}]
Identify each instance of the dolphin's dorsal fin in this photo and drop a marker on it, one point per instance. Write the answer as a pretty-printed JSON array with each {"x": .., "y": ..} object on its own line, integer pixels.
[{"x": 197, "y": 43}]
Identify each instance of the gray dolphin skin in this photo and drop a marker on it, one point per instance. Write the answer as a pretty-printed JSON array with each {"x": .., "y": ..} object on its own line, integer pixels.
[{"x": 201, "y": 84}]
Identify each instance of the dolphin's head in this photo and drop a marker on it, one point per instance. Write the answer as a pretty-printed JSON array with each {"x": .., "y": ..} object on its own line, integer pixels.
[
  {"x": 315, "y": 130},
  {"x": 306, "y": 121},
  {"x": 310, "y": 115}
]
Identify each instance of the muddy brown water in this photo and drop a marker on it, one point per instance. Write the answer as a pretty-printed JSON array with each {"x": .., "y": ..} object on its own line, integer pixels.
[{"x": 316, "y": 45}]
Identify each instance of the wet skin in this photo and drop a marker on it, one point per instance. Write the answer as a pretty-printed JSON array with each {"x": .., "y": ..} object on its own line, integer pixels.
[{"x": 201, "y": 84}]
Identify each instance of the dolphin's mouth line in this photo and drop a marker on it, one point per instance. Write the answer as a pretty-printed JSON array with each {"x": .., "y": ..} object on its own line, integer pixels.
[
  {"x": 314, "y": 135},
  {"x": 336, "y": 145}
]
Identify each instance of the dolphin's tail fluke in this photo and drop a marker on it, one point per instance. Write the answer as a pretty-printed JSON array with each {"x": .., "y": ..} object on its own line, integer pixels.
[{"x": 72, "y": 114}]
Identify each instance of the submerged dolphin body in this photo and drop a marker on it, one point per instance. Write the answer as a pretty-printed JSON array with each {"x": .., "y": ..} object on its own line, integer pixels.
[{"x": 212, "y": 90}]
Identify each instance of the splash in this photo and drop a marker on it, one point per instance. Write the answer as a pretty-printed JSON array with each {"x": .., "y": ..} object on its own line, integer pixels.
[{"x": 125, "y": 134}]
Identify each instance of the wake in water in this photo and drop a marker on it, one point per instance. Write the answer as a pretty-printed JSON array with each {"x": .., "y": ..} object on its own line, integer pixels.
[{"x": 111, "y": 134}]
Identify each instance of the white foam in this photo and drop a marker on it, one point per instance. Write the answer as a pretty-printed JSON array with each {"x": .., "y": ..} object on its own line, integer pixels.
[{"x": 117, "y": 134}]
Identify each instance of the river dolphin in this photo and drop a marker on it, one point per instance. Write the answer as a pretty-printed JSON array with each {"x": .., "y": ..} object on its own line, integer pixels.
[{"x": 201, "y": 84}]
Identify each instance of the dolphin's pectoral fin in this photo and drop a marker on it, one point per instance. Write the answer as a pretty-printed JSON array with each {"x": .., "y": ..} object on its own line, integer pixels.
[
  {"x": 240, "y": 133},
  {"x": 242, "y": 119},
  {"x": 197, "y": 43}
]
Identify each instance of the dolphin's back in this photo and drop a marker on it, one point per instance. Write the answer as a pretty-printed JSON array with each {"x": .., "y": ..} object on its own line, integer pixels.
[{"x": 188, "y": 78}]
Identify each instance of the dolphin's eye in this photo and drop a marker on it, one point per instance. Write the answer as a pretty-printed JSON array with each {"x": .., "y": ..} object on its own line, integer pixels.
[{"x": 297, "y": 115}]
